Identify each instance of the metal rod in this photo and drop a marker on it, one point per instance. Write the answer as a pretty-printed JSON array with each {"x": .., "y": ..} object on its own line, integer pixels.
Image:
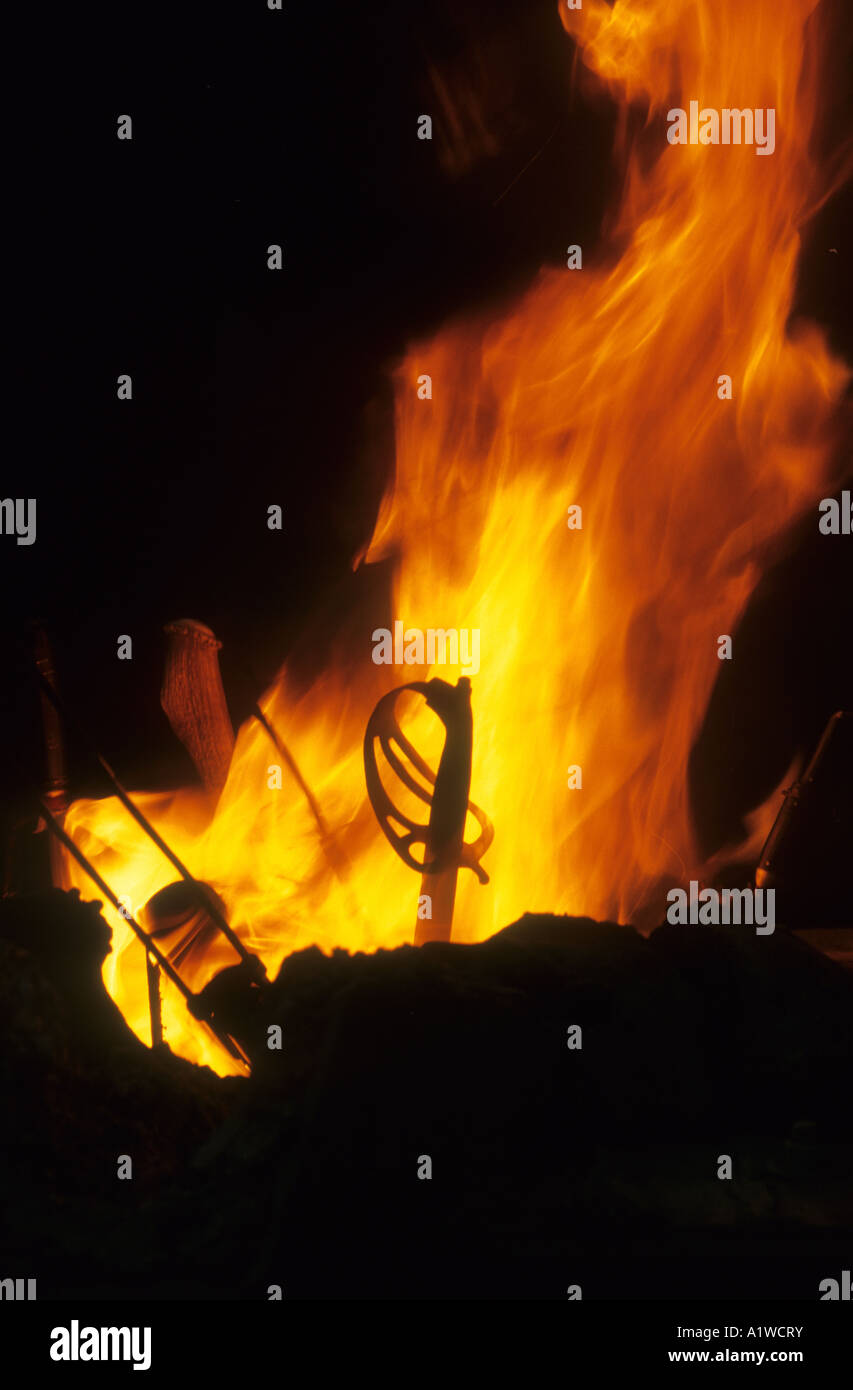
[
  {"x": 337, "y": 859},
  {"x": 230, "y": 1044},
  {"x": 155, "y": 1009},
  {"x": 57, "y": 778},
  {"x": 210, "y": 906},
  {"x": 101, "y": 884},
  {"x": 56, "y": 790},
  {"x": 284, "y": 752},
  {"x": 142, "y": 820}
]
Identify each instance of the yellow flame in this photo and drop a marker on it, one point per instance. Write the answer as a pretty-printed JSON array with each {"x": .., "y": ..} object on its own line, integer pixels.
[{"x": 598, "y": 645}]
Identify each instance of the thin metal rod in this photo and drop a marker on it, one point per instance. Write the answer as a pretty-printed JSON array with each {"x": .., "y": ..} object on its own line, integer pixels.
[
  {"x": 282, "y": 749},
  {"x": 336, "y": 857},
  {"x": 209, "y": 905},
  {"x": 101, "y": 884},
  {"x": 142, "y": 820},
  {"x": 56, "y": 790},
  {"x": 155, "y": 1009},
  {"x": 224, "y": 1039}
]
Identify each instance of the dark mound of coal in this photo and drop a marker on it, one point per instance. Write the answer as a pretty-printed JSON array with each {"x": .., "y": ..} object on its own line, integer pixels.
[{"x": 554, "y": 1106}]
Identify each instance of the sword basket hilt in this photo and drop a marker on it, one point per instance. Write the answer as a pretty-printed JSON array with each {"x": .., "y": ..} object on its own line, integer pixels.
[{"x": 442, "y": 838}]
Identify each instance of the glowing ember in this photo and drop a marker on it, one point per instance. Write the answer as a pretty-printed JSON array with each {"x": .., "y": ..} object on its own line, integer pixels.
[{"x": 598, "y": 646}]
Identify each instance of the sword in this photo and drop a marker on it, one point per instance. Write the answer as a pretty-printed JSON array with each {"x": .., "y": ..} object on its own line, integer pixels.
[{"x": 445, "y": 849}]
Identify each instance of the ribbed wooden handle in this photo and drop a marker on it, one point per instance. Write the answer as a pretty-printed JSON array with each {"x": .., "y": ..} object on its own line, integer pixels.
[{"x": 194, "y": 700}]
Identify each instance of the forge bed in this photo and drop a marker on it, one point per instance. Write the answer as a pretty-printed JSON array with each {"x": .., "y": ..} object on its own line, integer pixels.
[{"x": 550, "y": 1166}]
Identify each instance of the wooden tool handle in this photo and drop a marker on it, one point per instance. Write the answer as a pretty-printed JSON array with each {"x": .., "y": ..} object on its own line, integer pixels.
[{"x": 194, "y": 700}]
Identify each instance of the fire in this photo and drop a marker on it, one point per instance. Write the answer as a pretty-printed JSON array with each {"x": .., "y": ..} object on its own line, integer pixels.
[{"x": 597, "y": 390}]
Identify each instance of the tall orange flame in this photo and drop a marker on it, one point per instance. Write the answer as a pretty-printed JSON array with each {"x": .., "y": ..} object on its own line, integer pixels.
[{"x": 598, "y": 645}]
